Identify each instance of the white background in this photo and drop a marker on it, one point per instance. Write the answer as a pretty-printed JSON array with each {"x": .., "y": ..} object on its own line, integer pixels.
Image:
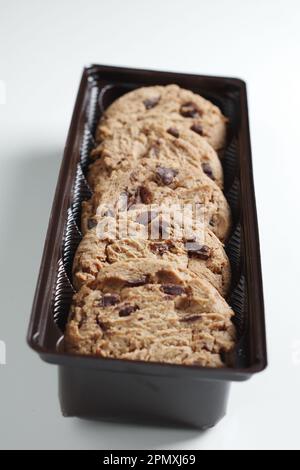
[{"x": 43, "y": 47}]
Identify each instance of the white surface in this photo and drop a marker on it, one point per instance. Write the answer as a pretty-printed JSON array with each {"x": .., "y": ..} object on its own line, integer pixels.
[{"x": 43, "y": 47}]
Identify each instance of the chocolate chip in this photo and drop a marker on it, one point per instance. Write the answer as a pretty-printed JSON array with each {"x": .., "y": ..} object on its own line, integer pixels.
[
  {"x": 197, "y": 128},
  {"x": 100, "y": 323},
  {"x": 207, "y": 170},
  {"x": 165, "y": 175},
  {"x": 91, "y": 223},
  {"x": 146, "y": 217},
  {"x": 140, "y": 195},
  {"x": 151, "y": 102},
  {"x": 190, "y": 109},
  {"x": 145, "y": 195},
  {"x": 173, "y": 131},
  {"x": 159, "y": 248},
  {"x": 172, "y": 289},
  {"x": 109, "y": 299},
  {"x": 138, "y": 282},
  {"x": 191, "y": 318},
  {"x": 198, "y": 251},
  {"x": 127, "y": 310}
]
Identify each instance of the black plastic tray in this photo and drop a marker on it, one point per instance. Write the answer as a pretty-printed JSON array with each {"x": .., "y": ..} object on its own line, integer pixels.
[{"x": 134, "y": 390}]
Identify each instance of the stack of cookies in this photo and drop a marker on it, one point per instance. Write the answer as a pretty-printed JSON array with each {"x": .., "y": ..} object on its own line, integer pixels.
[{"x": 151, "y": 272}]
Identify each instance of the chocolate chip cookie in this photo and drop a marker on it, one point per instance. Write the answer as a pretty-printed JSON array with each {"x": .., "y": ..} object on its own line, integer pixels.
[
  {"x": 152, "y": 311},
  {"x": 154, "y": 143},
  {"x": 126, "y": 190},
  {"x": 140, "y": 236},
  {"x": 180, "y": 106}
]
